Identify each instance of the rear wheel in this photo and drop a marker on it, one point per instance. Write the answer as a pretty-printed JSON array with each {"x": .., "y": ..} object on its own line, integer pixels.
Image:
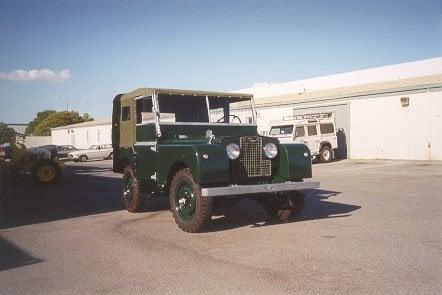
[
  {"x": 133, "y": 199},
  {"x": 83, "y": 158},
  {"x": 284, "y": 206},
  {"x": 111, "y": 156},
  {"x": 325, "y": 155},
  {"x": 45, "y": 172},
  {"x": 190, "y": 210}
]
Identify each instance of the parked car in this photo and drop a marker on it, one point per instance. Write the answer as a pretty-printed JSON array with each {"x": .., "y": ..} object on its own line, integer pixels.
[
  {"x": 102, "y": 151},
  {"x": 317, "y": 131},
  {"x": 199, "y": 154},
  {"x": 64, "y": 150}
]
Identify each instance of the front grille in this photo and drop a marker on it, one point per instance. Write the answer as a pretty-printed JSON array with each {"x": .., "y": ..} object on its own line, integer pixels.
[{"x": 250, "y": 162}]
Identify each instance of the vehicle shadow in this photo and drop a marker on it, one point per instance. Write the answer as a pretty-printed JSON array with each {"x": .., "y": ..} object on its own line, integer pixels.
[
  {"x": 91, "y": 189},
  {"x": 82, "y": 190},
  {"x": 13, "y": 257},
  {"x": 251, "y": 213}
]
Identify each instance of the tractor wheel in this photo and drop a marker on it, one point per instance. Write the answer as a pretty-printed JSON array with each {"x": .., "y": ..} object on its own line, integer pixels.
[
  {"x": 284, "y": 206},
  {"x": 190, "y": 210},
  {"x": 133, "y": 199},
  {"x": 325, "y": 156},
  {"x": 45, "y": 172}
]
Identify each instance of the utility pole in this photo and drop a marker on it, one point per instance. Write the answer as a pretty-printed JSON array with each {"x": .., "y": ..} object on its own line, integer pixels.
[{"x": 67, "y": 102}]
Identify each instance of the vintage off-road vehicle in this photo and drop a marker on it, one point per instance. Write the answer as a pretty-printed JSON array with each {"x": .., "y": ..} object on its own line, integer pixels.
[
  {"x": 317, "y": 131},
  {"x": 188, "y": 145}
]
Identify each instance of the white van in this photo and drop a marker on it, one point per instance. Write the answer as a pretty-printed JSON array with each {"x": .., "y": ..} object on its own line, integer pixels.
[{"x": 317, "y": 131}]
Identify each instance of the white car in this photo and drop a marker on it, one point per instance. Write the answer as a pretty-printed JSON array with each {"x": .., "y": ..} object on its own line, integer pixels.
[{"x": 103, "y": 151}]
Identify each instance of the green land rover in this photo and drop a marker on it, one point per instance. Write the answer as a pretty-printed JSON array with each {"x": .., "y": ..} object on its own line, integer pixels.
[{"x": 191, "y": 146}]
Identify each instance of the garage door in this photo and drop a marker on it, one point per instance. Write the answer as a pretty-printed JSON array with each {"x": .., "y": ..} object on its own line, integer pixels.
[{"x": 342, "y": 115}]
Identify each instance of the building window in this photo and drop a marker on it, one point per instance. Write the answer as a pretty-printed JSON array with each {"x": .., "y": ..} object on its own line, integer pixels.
[
  {"x": 98, "y": 136},
  {"x": 311, "y": 130},
  {"x": 327, "y": 128},
  {"x": 125, "y": 113},
  {"x": 250, "y": 120},
  {"x": 87, "y": 136}
]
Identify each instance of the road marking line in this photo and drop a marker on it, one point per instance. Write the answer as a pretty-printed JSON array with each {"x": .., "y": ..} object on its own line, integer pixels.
[{"x": 375, "y": 166}]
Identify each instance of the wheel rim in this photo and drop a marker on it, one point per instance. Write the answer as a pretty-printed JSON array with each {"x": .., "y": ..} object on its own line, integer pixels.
[
  {"x": 46, "y": 173},
  {"x": 127, "y": 189},
  {"x": 185, "y": 201},
  {"x": 326, "y": 154}
]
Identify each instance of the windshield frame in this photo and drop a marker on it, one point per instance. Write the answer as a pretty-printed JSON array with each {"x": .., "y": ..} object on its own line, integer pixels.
[{"x": 207, "y": 98}]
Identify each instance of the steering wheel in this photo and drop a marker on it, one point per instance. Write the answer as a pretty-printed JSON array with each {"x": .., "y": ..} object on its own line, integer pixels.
[{"x": 234, "y": 117}]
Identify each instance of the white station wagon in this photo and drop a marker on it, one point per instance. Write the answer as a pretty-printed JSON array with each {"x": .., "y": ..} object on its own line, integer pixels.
[{"x": 102, "y": 151}]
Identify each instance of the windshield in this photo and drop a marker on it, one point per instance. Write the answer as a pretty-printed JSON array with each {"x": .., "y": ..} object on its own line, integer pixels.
[
  {"x": 281, "y": 130},
  {"x": 177, "y": 108}
]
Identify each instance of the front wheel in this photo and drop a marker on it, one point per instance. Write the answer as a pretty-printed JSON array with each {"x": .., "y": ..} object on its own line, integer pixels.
[
  {"x": 133, "y": 199},
  {"x": 284, "y": 206},
  {"x": 325, "y": 156},
  {"x": 190, "y": 210}
]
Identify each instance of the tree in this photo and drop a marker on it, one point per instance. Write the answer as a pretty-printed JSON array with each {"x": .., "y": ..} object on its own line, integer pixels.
[
  {"x": 87, "y": 117},
  {"x": 59, "y": 119},
  {"x": 37, "y": 120},
  {"x": 7, "y": 134}
]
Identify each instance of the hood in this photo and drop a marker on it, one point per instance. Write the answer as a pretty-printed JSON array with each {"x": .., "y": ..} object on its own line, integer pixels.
[
  {"x": 80, "y": 151},
  {"x": 216, "y": 140}
]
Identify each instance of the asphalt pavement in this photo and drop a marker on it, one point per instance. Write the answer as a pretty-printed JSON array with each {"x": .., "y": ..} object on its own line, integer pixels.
[{"x": 374, "y": 227}]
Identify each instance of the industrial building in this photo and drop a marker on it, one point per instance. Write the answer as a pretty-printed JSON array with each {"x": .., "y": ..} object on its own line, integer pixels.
[
  {"x": 392, "y": 112},
  {"x": 83, "y": 135}
]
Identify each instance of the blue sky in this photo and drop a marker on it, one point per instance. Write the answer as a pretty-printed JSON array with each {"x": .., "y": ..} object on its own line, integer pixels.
[{"x": 110, "y": 47}]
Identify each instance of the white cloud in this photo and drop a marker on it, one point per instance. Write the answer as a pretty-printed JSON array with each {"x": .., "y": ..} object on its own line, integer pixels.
[{"x": 34, "y": 75}]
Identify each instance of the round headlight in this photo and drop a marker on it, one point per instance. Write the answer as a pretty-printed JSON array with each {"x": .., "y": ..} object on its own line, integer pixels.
[
  {"x": 233, "y": 151},
  {"x": 270, "y": 150}
]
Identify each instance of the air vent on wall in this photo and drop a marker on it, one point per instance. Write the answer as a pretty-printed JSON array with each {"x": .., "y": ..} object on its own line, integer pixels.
[{"x": 405, "y": 101}]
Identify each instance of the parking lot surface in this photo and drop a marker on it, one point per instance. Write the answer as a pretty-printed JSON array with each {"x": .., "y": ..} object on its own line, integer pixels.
[{"x": 373, "y": 227}]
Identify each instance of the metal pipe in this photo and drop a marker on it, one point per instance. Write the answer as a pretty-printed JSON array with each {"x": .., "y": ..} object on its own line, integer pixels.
[
  {"x": 208, "y": 108},
  {"x": 156, "y": 111}
]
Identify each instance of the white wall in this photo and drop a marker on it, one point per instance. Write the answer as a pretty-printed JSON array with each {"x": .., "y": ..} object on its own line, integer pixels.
[
  {"x": 60, "y": 137},
  {"x": 34, "y": 141},
  {"x": 83, "y": 137},
  {"x": 265, "y": 115},
  {"x": 382, "y": 129}
]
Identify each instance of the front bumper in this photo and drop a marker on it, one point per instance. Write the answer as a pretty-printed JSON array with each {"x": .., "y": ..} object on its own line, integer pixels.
[{"x": 257, "y": 188}]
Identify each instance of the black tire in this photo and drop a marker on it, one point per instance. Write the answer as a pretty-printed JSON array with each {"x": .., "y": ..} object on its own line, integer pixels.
[
  {"x": 45, "y": 172},
  {"x": 325, "y": 156},
  {"x": 284, "y": 206},
  {"x": 83, "y": 158},
  {"x": 195, "y": 211},
  {"x": 133, "y": 199},
  {"x": 111, "y": 156}
]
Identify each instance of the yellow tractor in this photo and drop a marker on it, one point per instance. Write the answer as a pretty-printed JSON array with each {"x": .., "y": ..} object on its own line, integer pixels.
[{"x": 41, "y": 163}]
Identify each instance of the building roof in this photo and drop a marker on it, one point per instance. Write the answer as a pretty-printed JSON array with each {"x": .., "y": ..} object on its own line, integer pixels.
[
  {"x": 85, "y": 124},
  {"x": 425, "y": 82},
  {"x": 395, "y": 72}
]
